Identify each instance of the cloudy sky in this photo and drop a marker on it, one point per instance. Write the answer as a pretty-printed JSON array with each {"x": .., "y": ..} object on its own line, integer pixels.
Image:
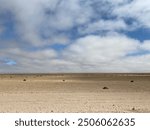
[{"x": 74, "y": 36}]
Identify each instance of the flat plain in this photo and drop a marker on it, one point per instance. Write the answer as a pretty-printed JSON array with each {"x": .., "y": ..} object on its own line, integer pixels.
[{"x": 48, "y": 93}]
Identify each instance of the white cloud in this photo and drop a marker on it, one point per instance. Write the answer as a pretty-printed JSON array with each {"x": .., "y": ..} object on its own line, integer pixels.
[
  {"x": 15, "y": 53},
  {"x": 107, "y": 54},
  {"x": 146, "y": 45},
  {"x": 100, "y": 49},
  {"x": 137, "y": 9},
  {"x": 104, "y": 25},
  {"x": 28, "y": 61},
  {"x": 87, "y": 54},
  {"x": 42, "y": 22}
]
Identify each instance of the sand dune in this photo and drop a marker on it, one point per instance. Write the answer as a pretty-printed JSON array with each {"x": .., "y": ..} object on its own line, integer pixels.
[{"x": 75, "y": 93}]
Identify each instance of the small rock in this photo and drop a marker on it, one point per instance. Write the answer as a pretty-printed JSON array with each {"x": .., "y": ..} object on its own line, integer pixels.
[
  {"x": 133, "y": 109},
  {"x": 132, "y": 81},
  {"x": 24, "y": 80},
  {"x": 105, "y": 88}
]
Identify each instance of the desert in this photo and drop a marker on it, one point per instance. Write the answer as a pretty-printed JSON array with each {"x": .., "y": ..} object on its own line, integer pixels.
[{"x": 75, "y": 93}]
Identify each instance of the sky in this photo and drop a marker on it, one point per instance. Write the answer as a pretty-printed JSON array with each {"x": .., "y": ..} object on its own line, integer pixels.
[{"x": 50, "y": 36}]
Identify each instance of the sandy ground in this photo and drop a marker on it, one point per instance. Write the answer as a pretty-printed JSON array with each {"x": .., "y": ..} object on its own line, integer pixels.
[{"x": 75, "y": 93}]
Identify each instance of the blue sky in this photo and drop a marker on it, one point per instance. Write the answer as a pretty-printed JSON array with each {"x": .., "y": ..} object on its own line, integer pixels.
[{"x": 74, "y": 36}]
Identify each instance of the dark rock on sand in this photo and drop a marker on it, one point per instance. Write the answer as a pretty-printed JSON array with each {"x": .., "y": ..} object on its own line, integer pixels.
[{"x": 105, "y": 88}]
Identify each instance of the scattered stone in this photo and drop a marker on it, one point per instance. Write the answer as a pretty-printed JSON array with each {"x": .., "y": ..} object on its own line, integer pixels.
[
  {"x": 52, "y": 111},
  {"x": 24, "y": 80},
  {"x": 105, "y": 88},
  {"x": 63, "y": 80},
  {"x": 132, "y": 81},
  {"x": 133, "y": 109}
]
